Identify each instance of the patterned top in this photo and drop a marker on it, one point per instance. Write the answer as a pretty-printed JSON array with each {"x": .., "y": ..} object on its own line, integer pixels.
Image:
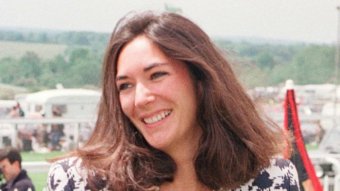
[{"x": 68, "y": 175}]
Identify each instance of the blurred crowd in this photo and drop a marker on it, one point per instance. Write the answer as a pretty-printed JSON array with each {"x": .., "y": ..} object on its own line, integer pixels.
[{"x": 43, "y": 137}]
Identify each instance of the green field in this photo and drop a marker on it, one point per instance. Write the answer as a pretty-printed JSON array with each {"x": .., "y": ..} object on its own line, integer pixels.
[
  {"x": 18, "y": 49},
  {"x": 32, "y": 156},
  {"x": 39, "y": 179}
]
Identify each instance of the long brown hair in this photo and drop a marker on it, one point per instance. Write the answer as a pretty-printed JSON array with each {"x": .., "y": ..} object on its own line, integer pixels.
[{"x": 236, "y": 142}]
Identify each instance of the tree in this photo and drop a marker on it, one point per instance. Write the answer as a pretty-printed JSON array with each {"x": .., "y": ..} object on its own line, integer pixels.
[
  {"x": 31, "y": 64},
  {"x": 8, "y": 68},
  {"x": 314, "y": 64},
  {"x": 265, "y": 60}
]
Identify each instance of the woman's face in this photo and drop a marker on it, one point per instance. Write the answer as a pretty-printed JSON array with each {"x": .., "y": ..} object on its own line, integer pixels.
[{"x": 158, "y": 95}]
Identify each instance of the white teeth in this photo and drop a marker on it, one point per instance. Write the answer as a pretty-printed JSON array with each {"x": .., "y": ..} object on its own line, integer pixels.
[{"x": 157, "y": 117}]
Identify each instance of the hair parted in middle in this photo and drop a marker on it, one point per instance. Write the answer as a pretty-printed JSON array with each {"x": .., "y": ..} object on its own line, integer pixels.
[{"x": 236, "y": 142}]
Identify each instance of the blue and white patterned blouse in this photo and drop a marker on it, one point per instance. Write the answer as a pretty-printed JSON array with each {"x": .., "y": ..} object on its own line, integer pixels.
[{"x": 281, "y": 175}]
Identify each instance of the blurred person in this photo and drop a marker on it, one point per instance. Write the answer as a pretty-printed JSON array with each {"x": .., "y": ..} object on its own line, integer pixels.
[
  {"x": 20, "y": 110},
  {"x": 38, "y": 132},
  {"x": 31, "y": 134},
  {"x": 173, "y": 117},
  {"x": 14, "y": 112},
  {"x": 305, "y": 182},
  {"x": 56, "y": 134},
  {"x": 307, "y": 185},
  {"x": 16, "y": 177}
]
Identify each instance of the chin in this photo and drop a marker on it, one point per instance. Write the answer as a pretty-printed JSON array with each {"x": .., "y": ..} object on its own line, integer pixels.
[{"x": 160, "y": 145}]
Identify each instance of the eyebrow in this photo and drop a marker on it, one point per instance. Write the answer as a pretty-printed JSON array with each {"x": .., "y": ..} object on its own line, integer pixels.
[{"x": 148, "y": 68}]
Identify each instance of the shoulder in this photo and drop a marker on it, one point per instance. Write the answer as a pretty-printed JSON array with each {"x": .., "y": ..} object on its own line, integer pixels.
[
  {"x": 67, "y": 174},
  {"x": 24, "y": 185},
  {"x": 280, "y": 167},
  {"x": 23, "y": 182},
  {"x": 281, "y": 174}
]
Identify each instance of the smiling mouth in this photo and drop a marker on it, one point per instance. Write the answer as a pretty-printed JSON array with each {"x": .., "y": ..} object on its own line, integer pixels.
[{"x": 156, "y": 118}]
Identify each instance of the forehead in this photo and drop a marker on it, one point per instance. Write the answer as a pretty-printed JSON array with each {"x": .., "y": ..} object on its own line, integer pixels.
[
  {"x": 4, "y": 162},
  {"x": 139, "y": 51}
]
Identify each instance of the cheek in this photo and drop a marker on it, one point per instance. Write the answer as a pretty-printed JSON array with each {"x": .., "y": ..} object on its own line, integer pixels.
[
  {"x": 126, "y": 104},
  {"x": 5, "y": 169},
  {"x": 180, "y": 89}
]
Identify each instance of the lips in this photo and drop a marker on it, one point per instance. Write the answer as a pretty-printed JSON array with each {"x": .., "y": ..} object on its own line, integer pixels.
[{"x": 157, "y": 117}]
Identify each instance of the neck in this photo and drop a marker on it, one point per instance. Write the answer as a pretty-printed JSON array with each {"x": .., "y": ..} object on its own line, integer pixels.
[{"x": 185, "y": 178}]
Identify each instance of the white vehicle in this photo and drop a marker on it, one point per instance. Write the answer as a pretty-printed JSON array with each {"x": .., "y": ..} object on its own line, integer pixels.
[
  {"x": 68, "y": 107},
  {"x": 71, "y": 103}
]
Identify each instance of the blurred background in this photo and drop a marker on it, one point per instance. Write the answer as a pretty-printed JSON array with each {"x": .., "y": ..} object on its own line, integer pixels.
[
  {"x": 50, "y": 42},
  {"x": 51, "y": 54}
]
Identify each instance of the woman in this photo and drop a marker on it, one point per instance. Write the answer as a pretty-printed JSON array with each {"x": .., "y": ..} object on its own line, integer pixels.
[{"x": 173, "y": 117}]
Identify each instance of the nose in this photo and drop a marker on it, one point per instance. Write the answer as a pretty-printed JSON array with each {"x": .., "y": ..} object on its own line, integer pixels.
[{"x": 143, "y": 95}]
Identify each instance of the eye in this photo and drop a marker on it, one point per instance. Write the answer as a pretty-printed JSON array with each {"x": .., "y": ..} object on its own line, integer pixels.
[
  {"x": 123, "y": 86},
  {"x": 157, "y": 75}
]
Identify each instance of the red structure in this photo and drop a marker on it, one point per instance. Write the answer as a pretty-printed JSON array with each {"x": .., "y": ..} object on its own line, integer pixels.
[{"x": 299, "y": 155}]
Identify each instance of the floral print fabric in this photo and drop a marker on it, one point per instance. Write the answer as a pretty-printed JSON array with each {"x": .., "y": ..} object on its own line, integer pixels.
[{"x": 68, "y": 175}]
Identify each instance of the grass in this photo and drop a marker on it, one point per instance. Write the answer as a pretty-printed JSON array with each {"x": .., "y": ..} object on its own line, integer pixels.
[
  {"x": 32, "y": 156},
  {"x": 18, "y": 49},
  {"x": 312, "y": 146},
  {"x": 39, "y": 179}
]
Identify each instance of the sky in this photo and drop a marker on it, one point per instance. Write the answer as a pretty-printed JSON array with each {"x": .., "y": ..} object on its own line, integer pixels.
[{"x": 311, "y": 21}]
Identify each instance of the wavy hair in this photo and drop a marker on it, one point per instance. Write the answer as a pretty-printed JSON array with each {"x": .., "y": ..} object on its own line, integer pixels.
[{"x": 236, "y": 142}]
